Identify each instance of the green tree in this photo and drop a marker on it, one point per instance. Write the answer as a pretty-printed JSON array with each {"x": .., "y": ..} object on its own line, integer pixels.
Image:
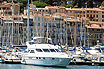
[
  {"x": 79, "y": 3},
  {"x": 69, "y": 5},
  {"x": 21, "y": 7},
  {"x": 102, "y": 4},
  {"x": 76, "y": 6},
  {"x": 51, "y": 1},
  {"x": 75, "y": 2},
  {"x": 90, "y": 4},
  {"x": 63, "y": 5},
  {"x": 40, "y": 4}
]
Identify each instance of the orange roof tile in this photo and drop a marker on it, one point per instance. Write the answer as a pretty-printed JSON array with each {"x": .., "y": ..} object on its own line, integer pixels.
[
  {"x": 95, "y": 22},
  {"x": 93, "y": 27},
  {"x": 6, "y": 18},
  {"x": 72, "y": 20}
]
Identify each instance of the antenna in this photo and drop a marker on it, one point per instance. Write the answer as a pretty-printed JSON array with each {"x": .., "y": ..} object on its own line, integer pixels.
[{"x": 28, "y": 23}]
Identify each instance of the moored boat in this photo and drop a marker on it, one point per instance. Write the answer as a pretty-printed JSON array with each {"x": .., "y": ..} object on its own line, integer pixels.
[{"x": 40, "y": 51}]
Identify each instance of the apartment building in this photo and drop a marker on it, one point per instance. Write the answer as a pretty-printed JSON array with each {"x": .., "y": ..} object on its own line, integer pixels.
[
  {"x": 84, "y": 14},
  {"x": 45, "y": 25},
  {"x": 59, "y": 22},
  {"x": 11, "y": 30},
  {"x": 95, "y": 32},
  {"x": 9, "y": 8}
]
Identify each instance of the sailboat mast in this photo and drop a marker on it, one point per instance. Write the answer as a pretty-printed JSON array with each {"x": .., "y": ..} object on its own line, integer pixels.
[
  {"x": 18, "y": 25},
  {"x": 75, "y": 31},
  {"x": 66, "y": 33},
  {"x": 85, "y": 28},
  {"x": 28, "y": 23},
  {"x": 12, "y": 19},
  {"x": 81, "y": 27},
  {"x": 1, "y": 30},
  {"x": 8, "y": 29}
]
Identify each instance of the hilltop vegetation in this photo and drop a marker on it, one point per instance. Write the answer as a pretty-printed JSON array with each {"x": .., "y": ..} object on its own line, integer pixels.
[{"x": 43, "y": 3}]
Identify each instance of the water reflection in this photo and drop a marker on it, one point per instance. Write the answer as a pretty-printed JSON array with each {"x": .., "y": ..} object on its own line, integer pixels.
[
  {"x": 20, "y": 66},
  {"x": 39, "y": 67}
]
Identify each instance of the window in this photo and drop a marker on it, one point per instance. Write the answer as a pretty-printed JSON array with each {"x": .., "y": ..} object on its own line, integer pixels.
[
  {"x": 63, "y": 10},
  {"x": 31, "y": 43},
  {"x": 38, "y": 50},
  {"x": 56, "y": 10},
  {"x": 32, "y": 51},
  {"x": 38, "y": 18},
  {"x": 91, "y": 11},
  {"x": 24, "y": 29},
  {"x": 24, "y": 34},
  {"x": 102, "y": 16},
  {"x": 43, "y": 58},
  {"x": 46, "y": 10},
  {"x": 46, "y": 50},
  {"x": 50, "y": 11},
  {"x": 57, "y": 50},
  {"x": 103, "y": 20},
  {"x": 87, "y": 15},
  {"x": 100, "y": 35},
  {"x": 66, "y": 11},
  {"x": 38, "y": 24},
  {"x": 52, "y": 50},
  {"x": 53, "y": 58},
  {"x": 93, "y": 15},
  {"x": 92, "y": 29},
  {"x": 98, "y": 29}
]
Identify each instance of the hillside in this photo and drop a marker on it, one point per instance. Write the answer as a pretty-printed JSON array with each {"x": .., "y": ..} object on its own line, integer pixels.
[{"x": 43, "y": 3}]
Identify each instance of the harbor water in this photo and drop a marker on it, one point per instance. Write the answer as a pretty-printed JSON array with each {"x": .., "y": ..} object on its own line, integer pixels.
[{"x": 20, "y": 66}]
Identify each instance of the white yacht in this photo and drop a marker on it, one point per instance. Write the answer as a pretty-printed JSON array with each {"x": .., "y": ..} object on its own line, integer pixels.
[{"x": 40, "y": 51}]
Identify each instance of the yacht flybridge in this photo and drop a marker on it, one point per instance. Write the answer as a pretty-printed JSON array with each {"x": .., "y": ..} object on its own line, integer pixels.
[{"x": 40, "y": 51}]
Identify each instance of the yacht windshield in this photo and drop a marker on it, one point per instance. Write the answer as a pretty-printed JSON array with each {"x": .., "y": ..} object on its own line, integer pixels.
[
  {"x": 46, "y": 50},
  {"x": 43, "y": 40},
  {"x": 31, "y": 43},
  {"x": 38, "y": 50},
  {"x": 52, "y": 50},
  {"x": 57, "y": 50}
]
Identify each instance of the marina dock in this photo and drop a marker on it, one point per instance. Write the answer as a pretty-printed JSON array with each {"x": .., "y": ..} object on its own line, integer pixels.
[{"x": 88, "y": 63}]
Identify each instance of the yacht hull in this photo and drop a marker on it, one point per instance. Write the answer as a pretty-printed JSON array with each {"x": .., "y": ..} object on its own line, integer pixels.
[
  {"x": 2, "y": 61},
  {"x": 47, "y": 61}
]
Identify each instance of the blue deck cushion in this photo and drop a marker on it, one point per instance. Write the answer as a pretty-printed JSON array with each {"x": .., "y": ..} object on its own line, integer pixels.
[
  {"x": 8, "y": 50},
  {"x": 73, "y": 49},
  {"x": 62, "y": 48}
]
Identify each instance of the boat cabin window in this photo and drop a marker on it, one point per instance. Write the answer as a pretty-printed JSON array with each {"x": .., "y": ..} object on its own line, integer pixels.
[
  {"x": 57, "y": 50},
  {"x": 31, "y": 43},
  {"x": 32, "y": 51},
  {"x": 46, "y": 50},
  {"x": 38, "y": 50},
  {"x": 52, "y": 50},
  {"x": 25, "y": 52}
]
